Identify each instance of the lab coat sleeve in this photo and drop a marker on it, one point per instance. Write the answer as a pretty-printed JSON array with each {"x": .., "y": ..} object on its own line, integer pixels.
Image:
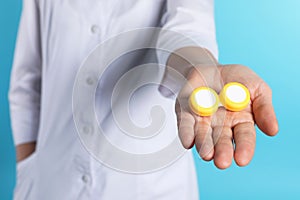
[
  {"x": 25, "y": 82},
  {"x": 194, "y": 21}
]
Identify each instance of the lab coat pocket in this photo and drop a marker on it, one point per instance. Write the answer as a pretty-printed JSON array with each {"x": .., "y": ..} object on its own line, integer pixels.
[{"x": 24, "y": 178}]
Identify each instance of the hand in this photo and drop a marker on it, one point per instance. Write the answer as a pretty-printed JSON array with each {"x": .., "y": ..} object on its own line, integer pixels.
[
  {"x": 25, "y": 150},
  {"x": 214, "y": 135}
]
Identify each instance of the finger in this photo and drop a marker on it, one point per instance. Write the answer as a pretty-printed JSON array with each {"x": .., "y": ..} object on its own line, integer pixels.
[
  {"x": 261, "y": 96},
  {"x": 263, "y": 110},
  {"x": 244, "y": 137},
  {"x": 185, "y": 124},
  {"x": 203, "y": 140},
  {"x": 222, "y": 136}
]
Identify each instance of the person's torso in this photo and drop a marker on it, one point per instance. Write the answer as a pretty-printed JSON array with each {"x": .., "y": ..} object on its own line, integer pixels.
[{"x": 62, "y": 168}]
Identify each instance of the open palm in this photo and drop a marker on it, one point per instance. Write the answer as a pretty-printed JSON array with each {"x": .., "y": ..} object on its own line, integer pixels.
[{"x": 226, "y": 134}]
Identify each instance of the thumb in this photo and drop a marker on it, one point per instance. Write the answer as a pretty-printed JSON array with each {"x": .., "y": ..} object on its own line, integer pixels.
[{"x": 263, "y": 110}]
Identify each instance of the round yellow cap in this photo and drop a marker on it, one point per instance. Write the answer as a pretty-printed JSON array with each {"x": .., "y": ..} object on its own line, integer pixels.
[
  {"x": 235, "y": 96},
  {"x": 204, "y": 101}
]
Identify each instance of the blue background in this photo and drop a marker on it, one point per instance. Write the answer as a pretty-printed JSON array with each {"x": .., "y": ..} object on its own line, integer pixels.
[{"x": 264, "y": 35}]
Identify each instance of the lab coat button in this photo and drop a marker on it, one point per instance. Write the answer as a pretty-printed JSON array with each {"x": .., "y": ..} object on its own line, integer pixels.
[
  {"x": 90, "y": 81},
  {"x": 86, "y": 129},
  {"x": 85, "y": 178},
  {"x": 95, "y": 29}
]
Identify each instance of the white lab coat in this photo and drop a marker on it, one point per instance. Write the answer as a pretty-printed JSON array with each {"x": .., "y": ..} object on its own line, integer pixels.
[{"x": 53, "y": 40}]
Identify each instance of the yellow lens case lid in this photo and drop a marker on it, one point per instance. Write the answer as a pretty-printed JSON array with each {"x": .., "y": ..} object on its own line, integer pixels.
[
  {"x": 235, "y": 96},
  {"x": 204, "y": 101}
]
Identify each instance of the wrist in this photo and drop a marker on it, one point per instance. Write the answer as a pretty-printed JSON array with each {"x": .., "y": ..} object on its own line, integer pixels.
[{"x": 180, "y": 65}]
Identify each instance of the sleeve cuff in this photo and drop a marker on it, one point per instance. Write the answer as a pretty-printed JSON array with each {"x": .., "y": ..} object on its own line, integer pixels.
[
  {"x": 25, "y": 125},
  {"x": 170, "y": 41}
]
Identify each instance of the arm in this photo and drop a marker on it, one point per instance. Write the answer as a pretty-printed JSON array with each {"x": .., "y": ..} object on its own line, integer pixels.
[
  {"x": 25, "y": 85},
  {"x": 189, "y": 37},
  {"x": 214, "y": 136}
]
